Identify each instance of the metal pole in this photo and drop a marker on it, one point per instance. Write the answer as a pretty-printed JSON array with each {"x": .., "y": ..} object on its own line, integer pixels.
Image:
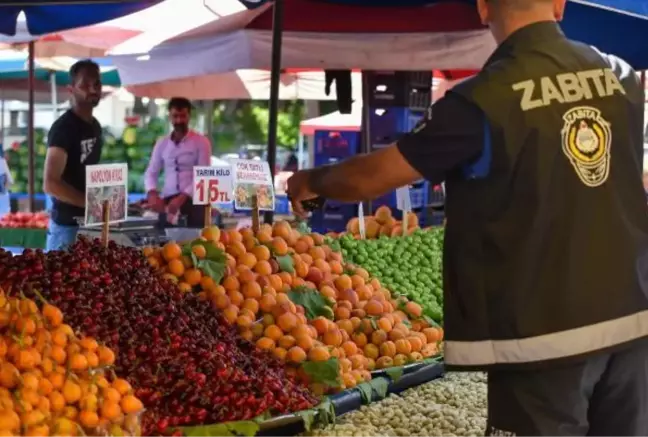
[
  {"x": 54, "y": 95},
  {"x": 366, "y": 144},
  {"x": 30, "y": 128},
  {"x": 275, "y": 76}
]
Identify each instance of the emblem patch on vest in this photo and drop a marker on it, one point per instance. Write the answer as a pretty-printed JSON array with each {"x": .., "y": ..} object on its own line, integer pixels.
[{"x": 586, "y": 140}]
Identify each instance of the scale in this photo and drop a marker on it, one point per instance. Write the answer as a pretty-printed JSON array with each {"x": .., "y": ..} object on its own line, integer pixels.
[{"x": 134, "y": 232}]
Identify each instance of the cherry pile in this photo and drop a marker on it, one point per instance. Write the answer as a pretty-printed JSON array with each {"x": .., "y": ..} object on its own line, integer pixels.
[{"x": 187, "y": 365}]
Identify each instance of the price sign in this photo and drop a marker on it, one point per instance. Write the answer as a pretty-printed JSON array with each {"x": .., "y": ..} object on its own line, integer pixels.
[{"x": 212, "y": 185}]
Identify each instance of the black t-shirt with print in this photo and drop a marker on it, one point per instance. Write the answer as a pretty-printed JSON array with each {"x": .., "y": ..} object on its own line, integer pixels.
[{"x": 82, "y": 141}]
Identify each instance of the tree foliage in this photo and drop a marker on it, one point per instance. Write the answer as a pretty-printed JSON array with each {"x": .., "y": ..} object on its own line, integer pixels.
[{"x": 240, "y": 122}]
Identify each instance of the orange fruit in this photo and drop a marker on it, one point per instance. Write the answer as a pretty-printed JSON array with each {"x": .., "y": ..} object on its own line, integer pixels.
[
  {"x": 374, "y": 308},
  {"x": 397, "y": 334},
  {"x": 274, "y": 332},
  {"x": 403, "y": 346},
  {"x": 252, "y": 290},
  {"x": 385, "y": 324},
  {"x": 244, "y": 321},
  {"x": 192, "y": 277},
  {"x": 251, "y": 304},
  {"x": 176, "y": 268},
  {"x": 171, "y": 251},
  {"x": 321, "y": 324},
  {"x": 433, "y": 335},
  {"x": 388, "y": 349},
  {"x": 345, "y": 325},
  {"x": 265, "y": 343},
  {"x": 231, "y": 283},
  {"x": 263, "y": 267},
  {"x": 199, "y": 251},
  {"x": 280, "y": 248},
  {"x": 296, "y": 354},
  {"x": 130, "y": 404},
  {"x": 221, "y": 301},
  {"x": 343, "y": 282},
  {"x": 207, "y": 283},
  {"x": 280, "y": 353},
  {"x": 235, "y": 297},
  {"x": 262, "y": 253},
  {"x": 360, "y": 339},
  {"x": 286, "y": 341},
  {"x": 319, "y": 353},
  {"x": 350, "y": 348},
  {"x": 378, "y": 337},
  {"x": 416, "y": 344},
  {"x": 267, "y": 302},
  {"x": 332, "y": 337},
  {"x": 231, "y": 313},
  {"x": 305, "y": 342},
  {"x": 287, "y": 321},
  {"x": 247, "y": 259},
  {"x": 371, "y": 351},
  {"x": 212, "y": 233},
  {"x": 342, "y": 313}
]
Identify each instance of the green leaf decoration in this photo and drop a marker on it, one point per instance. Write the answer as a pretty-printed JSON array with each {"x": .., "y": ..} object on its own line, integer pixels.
[
  {"x": 246, "y": 428},
  {"x": 325, "y": 372},
  {"x": 308, "y": 416},
  {"x": 380, "y": 387},
  {"x": 325, "y": 412},
  {"x": 213, "y": 253},
  {"x": 315, "y": 305},
  {"x": 213, "y": 269},
  {"x": 366, "y": 392},
  {"x": 286, "y": 263},
  {"x": 394, "y": 373}
]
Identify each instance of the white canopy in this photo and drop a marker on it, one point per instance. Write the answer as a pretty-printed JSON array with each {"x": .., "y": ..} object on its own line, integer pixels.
[{"x": 244, "y": 84}]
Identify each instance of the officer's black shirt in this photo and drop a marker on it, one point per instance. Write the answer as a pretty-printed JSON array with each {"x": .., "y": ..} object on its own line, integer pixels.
[{"x": 82, "y": 141}]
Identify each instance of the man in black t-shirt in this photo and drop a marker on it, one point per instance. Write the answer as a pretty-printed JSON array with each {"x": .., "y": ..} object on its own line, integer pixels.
[{"x": 74, "y": 141}]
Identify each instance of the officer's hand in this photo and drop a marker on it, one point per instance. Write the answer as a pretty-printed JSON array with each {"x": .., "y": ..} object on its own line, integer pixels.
[{"x": 298, "y": 190}]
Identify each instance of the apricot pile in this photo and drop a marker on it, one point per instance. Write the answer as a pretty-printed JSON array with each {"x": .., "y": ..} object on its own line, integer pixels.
[
  {"x": 367, "y": 328},
  {"x": 383, "y": 223},
  {"x": 55, "y": 383}
]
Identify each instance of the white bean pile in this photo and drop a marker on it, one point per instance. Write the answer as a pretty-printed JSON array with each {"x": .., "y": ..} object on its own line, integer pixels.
[{"x": 451, "y": 406}]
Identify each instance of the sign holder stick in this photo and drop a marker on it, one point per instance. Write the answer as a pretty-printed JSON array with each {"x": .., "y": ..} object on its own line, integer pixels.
[
  {"x": 255, "y": 214},
  {"x": 208, "y": 215},
  {"x": 105, "y": 227}
]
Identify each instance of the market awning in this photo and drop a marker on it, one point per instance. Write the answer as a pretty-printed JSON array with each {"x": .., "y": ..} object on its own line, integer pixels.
[
  {"x": 57, "y": 15},
  {"x": 618, "y": 27}
]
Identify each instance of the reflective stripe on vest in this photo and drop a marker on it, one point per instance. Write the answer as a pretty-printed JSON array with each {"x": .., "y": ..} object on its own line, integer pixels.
[{"x": 562, "y": 344}]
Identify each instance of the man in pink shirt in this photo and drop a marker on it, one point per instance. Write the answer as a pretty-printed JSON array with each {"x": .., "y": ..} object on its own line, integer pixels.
[{"x": 176, "y": 155}]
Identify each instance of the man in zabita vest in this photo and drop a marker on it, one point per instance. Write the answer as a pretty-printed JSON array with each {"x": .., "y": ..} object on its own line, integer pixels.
[{"x": 546, "y": 251}]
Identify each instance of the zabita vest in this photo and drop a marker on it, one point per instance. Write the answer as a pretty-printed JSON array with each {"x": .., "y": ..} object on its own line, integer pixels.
[{"x": 546, "y": 251}]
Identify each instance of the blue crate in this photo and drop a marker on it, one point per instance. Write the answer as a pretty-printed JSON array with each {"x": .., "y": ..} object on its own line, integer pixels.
[
  {"x": 333, "y": 146},
  {"x": 387, "y": 124},
  {"x": 282, "y": 205},
  {"x": 333, "y": 217}
]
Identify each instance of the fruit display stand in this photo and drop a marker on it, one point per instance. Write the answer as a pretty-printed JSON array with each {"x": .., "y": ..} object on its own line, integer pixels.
[{"x": 250, "y": 331}]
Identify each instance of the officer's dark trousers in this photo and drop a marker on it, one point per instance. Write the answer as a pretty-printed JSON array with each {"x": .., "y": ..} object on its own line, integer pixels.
[{"x": 603, "y": 396}]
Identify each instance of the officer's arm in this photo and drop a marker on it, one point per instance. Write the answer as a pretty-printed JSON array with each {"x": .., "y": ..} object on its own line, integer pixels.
[
  {"x": 363, "y": 177},
  {"x": 451, "y": 138}
]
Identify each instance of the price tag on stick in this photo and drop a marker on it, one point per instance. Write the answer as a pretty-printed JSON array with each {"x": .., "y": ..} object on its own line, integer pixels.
[
  {"x": 361, "y": 221},
  {"x": 404, "y": 203},
  {"x": 212, "y": 186}
]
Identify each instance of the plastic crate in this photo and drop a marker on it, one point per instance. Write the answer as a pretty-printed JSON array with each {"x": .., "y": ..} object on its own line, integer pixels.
[
  {"x": 386, "y": 125},
  {"x": 282, "y": 205},
  {"x": 333, "y": 146},
  {"x": 400, "y": 88},
  {"x": 333, "y": 217}
]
